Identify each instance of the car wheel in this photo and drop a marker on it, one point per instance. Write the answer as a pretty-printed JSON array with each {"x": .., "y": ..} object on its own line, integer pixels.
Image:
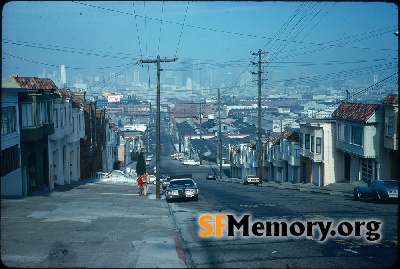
[
  {"x": 245, "y": 183},
  {"x": 356, "y": 195},
  {"x": 196, "y": 199},
  {"x": 375, "y": 197}
]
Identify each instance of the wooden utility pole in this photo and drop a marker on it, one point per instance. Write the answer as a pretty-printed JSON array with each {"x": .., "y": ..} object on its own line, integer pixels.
[
  {"x": 219, "y": 134},
  {"x": 158, "y": 117},
  {"x": 201, "y": 138},
  {"x": 259, "y": 144}
]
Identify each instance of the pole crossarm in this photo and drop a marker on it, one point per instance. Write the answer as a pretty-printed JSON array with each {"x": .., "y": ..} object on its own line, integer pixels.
[{"x": 158, "y": 117}]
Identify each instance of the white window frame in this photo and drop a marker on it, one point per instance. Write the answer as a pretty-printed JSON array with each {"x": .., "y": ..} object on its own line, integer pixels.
[{"x": 27, "y": 115}]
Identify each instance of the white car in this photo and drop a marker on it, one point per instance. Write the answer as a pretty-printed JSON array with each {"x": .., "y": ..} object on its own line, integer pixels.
[
  {"x": 152, "y": 179},
  {"x": 191, "y": 162}
]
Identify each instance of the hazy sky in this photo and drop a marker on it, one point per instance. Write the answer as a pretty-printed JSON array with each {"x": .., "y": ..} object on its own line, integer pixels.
[{"x": 333, "y": 40}]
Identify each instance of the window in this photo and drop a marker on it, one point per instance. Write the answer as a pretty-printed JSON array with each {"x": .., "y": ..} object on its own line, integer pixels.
[
  {"x": 318, "y": 145},
  {"x": 44, "y": 112},
  {"x": 8, "y": 120},
  {"x": 49, "y": 110},
  {"x": 340, "y": 132},
  {"x": 38, "y": 114},
  {"x": 390, "y": 126},
  {"x": 356, "y": 135},
  {"x": 70, "y": 114},
  {"x": 10, "y": 160},
  {"x": 27, "y": 115},
  {"x": 73, "y": 124},
  {"x": 79, "y": 123},
  {"x": 55, "y": 116},
  {"x": 62, "y": 117},
  {"x": 312, "y": 143},
  {"x": 307, "y": 141},
  {"x": 366, "y": 170},
  {"x": 301, "y": 140},
  {"x": 346, "y": 133}
]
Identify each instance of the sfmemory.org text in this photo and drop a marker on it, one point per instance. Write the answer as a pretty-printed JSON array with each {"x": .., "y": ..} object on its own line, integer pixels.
[{"x": 220, "y": 225}]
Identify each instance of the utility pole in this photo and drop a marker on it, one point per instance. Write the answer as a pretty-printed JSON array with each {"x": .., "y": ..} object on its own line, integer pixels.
[
  {"x": 201, "y": 139},
  {"x": 158, "y": 116},
  {"x": 219, "y": 134},
  {"x": 259, "y": 144}
]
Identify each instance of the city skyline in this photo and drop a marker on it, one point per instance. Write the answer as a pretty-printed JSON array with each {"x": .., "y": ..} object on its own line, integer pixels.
[{"x": 305, "y": 43}]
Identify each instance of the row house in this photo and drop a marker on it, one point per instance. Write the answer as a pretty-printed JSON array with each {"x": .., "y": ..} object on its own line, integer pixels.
[
  {"x": 36, "y": 123},
  {"x": 64, "y": 143},
  {"x": 320, "y": 162},
  {"x": 359, "y": 142},
  {"x": 391, "y": 110},
  {"x": 243, "y": 159},
  {"x": 291, "y": 155},
  {"x": 110, "y": 154},
  {"x": 360, "y": 138},
  {"x": 11, "y": 175},
  {"x": 94, "y": 140},
  {"x": 124, "y": 150}
]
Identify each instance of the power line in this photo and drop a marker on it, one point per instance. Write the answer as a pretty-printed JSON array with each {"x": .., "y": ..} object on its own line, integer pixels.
[{"x": 183, "y": 25}]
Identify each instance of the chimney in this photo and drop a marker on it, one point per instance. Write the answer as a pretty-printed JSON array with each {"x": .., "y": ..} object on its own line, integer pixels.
[{"x": 14, "y": 76}]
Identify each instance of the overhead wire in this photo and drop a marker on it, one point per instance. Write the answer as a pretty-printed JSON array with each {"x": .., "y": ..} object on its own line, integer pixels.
[
  {"x": 159, "y": 36},
  {"x": 183, "y": 25}
]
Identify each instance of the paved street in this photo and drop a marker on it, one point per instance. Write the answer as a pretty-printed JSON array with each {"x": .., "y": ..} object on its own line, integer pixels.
[{"x": 89, "y": 225}]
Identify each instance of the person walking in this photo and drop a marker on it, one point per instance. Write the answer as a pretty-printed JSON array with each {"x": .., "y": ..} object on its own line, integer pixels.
[
  {"x": 146, "y": 183},
  {"x": 140, "y": 185}
]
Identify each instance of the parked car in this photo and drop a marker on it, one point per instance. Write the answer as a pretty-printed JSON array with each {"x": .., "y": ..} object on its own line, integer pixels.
[
  {"x": 378, "y": 190},
  {"x": 165, "y": 181},
  {"x": 117, "y": 174},
  {"x": 152, "y": 179},
  {"x": 251, "y": 179},
  {"x": 211, "y": 177},
  {"x": 183, "y": 188},
  {"x": 102, "y": 175},
  {"x": 191, "y": 162}
]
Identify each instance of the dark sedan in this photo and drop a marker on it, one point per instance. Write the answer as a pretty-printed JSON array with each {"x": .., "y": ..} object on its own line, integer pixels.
[
  {"x": 378, "y": 190},
  {"x": 182, "y": 189},
  {"x": 211, "y": 177}
]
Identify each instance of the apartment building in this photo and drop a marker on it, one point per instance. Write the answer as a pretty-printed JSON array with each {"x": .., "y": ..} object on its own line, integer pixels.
[
  {"x": 320, "y": 162},
  {"x": 64, "y": 143},
  {"x": 360, "y": 138},
  {"x": 10, "y": 159},
  {"x": 391, "y": 110},
  {"x": 36, "y": 124}
]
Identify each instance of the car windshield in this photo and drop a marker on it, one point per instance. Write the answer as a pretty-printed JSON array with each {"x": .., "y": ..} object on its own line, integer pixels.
[
  {"x": 181, "y": 183},
  {"x": 389, "y": 183}
]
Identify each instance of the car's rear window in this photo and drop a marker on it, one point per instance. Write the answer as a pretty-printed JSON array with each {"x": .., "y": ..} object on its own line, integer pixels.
[
  {"x": 182, "y": 183},
  {"x": 390, "y": 183}
]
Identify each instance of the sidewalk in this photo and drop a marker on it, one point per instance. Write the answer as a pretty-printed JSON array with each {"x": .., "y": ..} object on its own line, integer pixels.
[{"x": 89, "y": 224}]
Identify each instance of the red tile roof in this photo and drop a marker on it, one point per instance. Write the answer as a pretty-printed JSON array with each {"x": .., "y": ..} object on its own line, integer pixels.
[
  {"x": 32, "y": 83},
  {"x": 355, "y": 111},
  {"x": 391, "y": 99}
]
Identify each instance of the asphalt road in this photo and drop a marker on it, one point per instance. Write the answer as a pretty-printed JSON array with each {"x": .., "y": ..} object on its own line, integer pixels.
[{"x": 269, "y": 204}]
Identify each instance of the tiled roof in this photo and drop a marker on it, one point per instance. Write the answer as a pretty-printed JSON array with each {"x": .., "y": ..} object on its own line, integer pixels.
[
  {"x": 32, "y": 83},
  {"x": 355, "y": 111},
  {"x": 284, "y": 134},
  {"x": 391, "y": 99},
  {"x": 66, "y": 93}
]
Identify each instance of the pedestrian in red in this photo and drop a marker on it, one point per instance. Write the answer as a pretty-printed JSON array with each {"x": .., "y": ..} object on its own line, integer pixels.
[{"x": 140, "y": 185}]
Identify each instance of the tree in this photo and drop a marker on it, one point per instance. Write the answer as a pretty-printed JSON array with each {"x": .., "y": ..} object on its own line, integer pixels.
[{"x": 140, "y": 165}]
